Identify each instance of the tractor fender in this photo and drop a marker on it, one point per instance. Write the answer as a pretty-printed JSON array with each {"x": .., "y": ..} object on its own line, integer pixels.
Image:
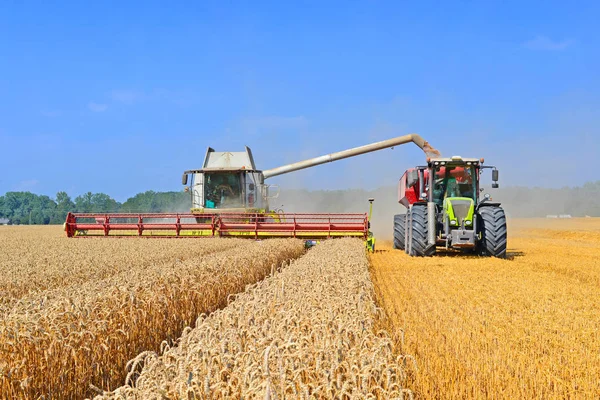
[{"x": 487, "y": 204}]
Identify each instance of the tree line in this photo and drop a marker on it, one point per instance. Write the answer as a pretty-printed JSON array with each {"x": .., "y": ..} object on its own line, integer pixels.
[
  {"x": 24, "y": 208},
  {"x": 29, "y": 208}
]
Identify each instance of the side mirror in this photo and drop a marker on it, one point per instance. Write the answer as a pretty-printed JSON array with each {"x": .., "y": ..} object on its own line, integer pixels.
[
  {"x": 495, "y": 185},
  {"x": 494, "y": 175},
  {"x": 184, "y": 179}
]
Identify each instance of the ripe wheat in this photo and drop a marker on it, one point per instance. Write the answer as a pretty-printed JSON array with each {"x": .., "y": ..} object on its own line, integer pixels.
[
  {"x": 57, "y": 342},
  {"x": 306, "y": 332},
  {"x": 521, "y": 328}
]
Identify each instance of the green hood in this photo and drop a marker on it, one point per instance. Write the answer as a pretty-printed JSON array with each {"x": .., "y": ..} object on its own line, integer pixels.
[{"x": 459, "y": 210}]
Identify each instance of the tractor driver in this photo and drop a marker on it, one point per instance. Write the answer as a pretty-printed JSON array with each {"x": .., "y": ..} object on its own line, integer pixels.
[
  {"x": 464, "y": 182},
  {"x": 454, "y": 182}
]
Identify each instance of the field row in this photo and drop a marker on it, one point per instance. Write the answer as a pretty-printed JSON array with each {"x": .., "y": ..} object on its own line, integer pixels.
[
  {"x": 39, "y": 258},
  {"x": 57, "y": 342},
  {"x": 306, "y": 332}
]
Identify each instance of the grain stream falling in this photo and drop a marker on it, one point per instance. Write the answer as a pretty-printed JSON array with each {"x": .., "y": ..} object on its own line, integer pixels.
[
  {"x": 522, "y": 328},
  {"x": 56, "y": 343},
  {"x": 306, "y": 332}
]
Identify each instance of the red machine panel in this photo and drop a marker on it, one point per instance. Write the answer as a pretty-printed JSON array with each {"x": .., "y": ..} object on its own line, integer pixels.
[{"x": 408, "y": 194}]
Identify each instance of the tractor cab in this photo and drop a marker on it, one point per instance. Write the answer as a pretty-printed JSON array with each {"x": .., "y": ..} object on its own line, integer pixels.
[
  {"x": 455, "y": 190},
  {"x": 454, "y": 180}
]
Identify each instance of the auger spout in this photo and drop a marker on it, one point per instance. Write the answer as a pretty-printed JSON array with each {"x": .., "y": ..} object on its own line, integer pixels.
[{"x": 413, "y": 137}]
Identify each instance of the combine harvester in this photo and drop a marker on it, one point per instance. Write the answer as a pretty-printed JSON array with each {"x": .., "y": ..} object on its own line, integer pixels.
[
  {"x": 229, "y": 197},
  {"x": 444, "y": 209}
]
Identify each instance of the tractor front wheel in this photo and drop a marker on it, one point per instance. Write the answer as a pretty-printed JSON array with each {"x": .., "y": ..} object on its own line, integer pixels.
[
  {"x": 419, "y": 230},
  {"x": 492, "y": 226},
  {"x": 399, "y": 231}
]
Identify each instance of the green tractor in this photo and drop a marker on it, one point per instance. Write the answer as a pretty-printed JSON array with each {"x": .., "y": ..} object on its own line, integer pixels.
[{"x": 445, "y": 210}]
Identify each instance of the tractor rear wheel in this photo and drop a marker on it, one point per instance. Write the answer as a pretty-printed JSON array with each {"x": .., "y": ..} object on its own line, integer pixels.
[
  {"x": 492, "y": 225},
  {"x": 419, "y": 230},
  {"x": 399, "y": 231}
]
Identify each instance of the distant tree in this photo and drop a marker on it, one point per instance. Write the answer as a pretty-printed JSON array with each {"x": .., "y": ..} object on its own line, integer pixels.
[
  {"x": 104, "y": 203},
  {"x": 83, "y": 203},
  {"x": 26, "y": 207},
  {"x": 151, "y": 201},
  {"x": 43, "y": 210},
  {"x": 64, "y": 202},
  {"x": 64, "y": 205},
  {"x": 96, "y": 202}
]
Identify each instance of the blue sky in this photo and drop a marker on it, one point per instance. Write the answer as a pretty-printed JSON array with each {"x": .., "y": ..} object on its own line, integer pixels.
[{"x": 121, "y": 98}]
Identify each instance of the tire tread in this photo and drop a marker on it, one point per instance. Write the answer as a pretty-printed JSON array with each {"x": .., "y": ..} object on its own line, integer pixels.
[
  {"x": 419, "y": 244},
  {"x": 493, "y": 231},
  {"x": 399, "y": 226}
]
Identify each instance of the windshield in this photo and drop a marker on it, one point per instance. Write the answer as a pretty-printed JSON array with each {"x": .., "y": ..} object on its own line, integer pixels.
[
  {"x": 222, "y": 190},
  {"x": 454, "y": 181}
]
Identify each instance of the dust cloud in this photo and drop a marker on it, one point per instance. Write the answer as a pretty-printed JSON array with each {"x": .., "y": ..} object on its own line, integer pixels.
[
  {"x": 517, "y": 202},
  {"x": 385, "y": 205}
]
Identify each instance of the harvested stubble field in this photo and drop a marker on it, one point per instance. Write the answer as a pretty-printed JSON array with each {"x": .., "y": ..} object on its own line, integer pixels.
[
  {"x": 75, "y": 311},
  {"x": 522, "y": 328},
  {"x": 305, "y": 332}
]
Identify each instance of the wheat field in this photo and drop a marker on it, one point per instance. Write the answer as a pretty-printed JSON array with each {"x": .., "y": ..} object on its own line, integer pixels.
[
  {"x": 226, "y": 318},
  {"x": 74, "y": 311},
  {"x": 522, "y": 328},
  {"x": 307, "y": 332}
]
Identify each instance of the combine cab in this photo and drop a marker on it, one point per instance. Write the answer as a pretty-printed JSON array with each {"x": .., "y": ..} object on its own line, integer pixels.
[
  {"x": 444, "y": 209},
  {"x": 229, "y": 197}
]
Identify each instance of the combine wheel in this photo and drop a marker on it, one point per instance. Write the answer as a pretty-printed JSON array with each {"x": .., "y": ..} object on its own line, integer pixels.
[
  {"x": 492, "y": 225},
  {"x": 399, "y": 231},
  {"x": 418, "y": 237}
]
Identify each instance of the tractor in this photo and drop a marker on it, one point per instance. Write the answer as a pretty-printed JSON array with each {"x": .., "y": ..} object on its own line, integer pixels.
[{"x": 445, "y": 209}]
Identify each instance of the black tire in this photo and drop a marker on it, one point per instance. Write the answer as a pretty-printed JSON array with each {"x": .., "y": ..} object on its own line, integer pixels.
[
  {"x": 407, "y": 234},
  {"x": 418, "y": 245},
  {"x": 399, "y": 228},
  {"x": 492, "y": 225}
]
